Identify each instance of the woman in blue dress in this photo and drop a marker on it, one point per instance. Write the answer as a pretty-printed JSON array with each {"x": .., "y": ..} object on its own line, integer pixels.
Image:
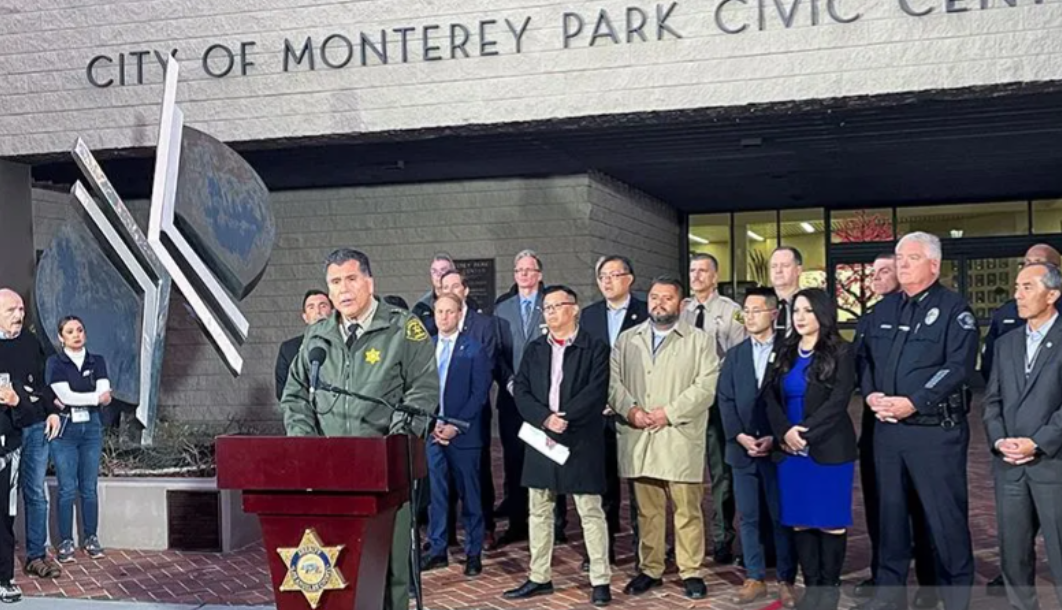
[{"x": 807, "y": 403}]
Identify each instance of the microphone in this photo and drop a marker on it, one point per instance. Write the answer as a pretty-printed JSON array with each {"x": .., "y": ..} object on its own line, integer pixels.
[{"x": 317, "y": 358}]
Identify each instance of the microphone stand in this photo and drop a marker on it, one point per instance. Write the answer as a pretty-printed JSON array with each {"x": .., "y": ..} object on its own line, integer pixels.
[{"x": 409, "y": 415}]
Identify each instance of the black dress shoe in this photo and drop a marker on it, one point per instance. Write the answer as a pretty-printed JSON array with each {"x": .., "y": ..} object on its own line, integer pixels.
[
  {"x": 529, "y": 589},
  {"x": 864, "y": 589},
  {"x": 641, "y": 583},
  {"x": 996, "y": 587},
  {"x": 723, "y": 555},
  {"x": 600, "y": 596},
  {"x": 433, "y": 562},
  {"x": 695, "y": 588},
  {"x": 473, "y": 566},
  {"x": 926, "y": 598}
]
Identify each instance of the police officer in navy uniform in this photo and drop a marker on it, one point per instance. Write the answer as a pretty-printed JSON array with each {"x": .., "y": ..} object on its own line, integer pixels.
[
  {"x": 1004, "y": 320},
  {"x": 917, "y": 360}
]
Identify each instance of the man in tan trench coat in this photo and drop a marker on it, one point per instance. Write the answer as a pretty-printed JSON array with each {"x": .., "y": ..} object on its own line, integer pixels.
[{"x": 664, "y": 374}]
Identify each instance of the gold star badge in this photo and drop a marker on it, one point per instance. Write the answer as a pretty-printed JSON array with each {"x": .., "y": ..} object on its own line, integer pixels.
[
  {"x": 311, "y": 568},
  {"x": 372, "y": 356}
]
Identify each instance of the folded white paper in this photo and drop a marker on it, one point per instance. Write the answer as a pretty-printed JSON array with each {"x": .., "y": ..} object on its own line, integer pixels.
[{"x": 539, "y": 441}]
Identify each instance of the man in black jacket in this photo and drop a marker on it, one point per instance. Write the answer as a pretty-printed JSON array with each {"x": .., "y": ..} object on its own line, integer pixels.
[
  {"x": 28, "y": 409},
  {"x": 315, "y": 306},
  {"x": 561, "y": 390},
  {"x": 604, "y": 321}
]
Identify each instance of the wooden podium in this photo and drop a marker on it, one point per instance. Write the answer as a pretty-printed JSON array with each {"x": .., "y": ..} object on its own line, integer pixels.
[{"x": 327, "y": 508}]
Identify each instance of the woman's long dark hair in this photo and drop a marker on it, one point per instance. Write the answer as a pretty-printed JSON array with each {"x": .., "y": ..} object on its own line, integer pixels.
[{"x": 829, "y": 346}]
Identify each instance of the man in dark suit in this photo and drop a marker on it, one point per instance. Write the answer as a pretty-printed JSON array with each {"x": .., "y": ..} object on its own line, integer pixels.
[
  {"x": 885, "y": 282},
  {"x": 464, "y": 383},
  {"x": 520, "y": 320},
  {"x": 484, "y": 330},
  {"x": 748, "y": 449},
  {"x": 315, "y": 306},
  {"x": 1023, "y": 420},
  {"x": 1004, "y": 320},
  {"x": 604, "y": 321}
]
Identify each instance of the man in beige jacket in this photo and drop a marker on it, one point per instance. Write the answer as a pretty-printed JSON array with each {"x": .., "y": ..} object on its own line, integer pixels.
[{"x": 663, "y": 380}]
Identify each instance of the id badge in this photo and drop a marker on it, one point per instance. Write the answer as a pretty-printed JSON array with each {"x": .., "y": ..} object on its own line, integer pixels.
[{"x": 79, "y": 415}]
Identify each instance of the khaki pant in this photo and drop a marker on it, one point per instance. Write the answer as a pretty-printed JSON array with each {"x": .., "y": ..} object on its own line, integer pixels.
[
  {"x": 652, "y": 525},
  {"x": 540, "y": 532}
]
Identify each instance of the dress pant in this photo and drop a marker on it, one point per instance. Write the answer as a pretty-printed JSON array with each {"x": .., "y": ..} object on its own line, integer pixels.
[
  {"x": 756, "y": 489},
  {"x": 540, "y": 536},
  {"x": 446, "y": 463},
  {"x": 396, "y": 594},
  {"x": 932, "y": 461},
  {"x": 924, "y": 558},
  {"x": 652, "y": 497},
  {"x": 722, "y": 479},
  {"x": 1024, "y": 507},
  {"x": 612, "y": 501},
  {"x": 509, "y": 422}
]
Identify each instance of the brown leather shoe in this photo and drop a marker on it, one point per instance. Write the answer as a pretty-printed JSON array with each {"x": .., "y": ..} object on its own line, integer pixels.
[
  {"x": 787, "y": 595},
  {"x": 44, "y": 567},
  {"x": 751, "y": 591}
]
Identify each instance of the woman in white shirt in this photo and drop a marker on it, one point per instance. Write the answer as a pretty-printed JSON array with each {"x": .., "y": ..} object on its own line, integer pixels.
[{"x": 79, "y": 380}]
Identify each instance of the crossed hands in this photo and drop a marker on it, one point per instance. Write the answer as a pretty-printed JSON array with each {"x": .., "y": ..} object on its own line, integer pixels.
[
  {"x": 793, "y": 441},
  {"x": 443, "y": 433},
  {"x": 1016, "y": 451},
  {"x": 756, "y": 447},
  {"x": 652, "y": 421},
  {"x": 890, "y": 409}
]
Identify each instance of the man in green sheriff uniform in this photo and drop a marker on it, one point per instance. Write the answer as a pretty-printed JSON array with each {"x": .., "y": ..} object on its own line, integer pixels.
[{"x": 376, "y": 350}]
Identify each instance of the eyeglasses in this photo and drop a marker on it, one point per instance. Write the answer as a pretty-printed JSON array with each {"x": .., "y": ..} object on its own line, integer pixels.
[
  {"x": 756, "y": 312},
  {"x": 615, "y": 275},
  {"x": 525, "y": 271},
  {"x": 555, "y": 307}
]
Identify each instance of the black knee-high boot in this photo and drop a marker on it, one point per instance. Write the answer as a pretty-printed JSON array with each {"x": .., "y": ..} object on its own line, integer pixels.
[
  {"x": 832, "y": 551},
  {"x": 809, "y": 557}
]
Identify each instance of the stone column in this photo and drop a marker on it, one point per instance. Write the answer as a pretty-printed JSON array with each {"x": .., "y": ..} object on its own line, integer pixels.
[{"x": 17, "y": 256}]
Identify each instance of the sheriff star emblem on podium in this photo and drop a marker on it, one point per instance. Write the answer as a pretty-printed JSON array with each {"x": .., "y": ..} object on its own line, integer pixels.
[{"x": 311, "y": 568}]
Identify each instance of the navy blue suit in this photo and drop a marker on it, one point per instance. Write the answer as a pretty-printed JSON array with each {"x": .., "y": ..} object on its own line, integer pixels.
[
  {"x": 465, "y": 396},
  {"x": 743, "y": 411}
]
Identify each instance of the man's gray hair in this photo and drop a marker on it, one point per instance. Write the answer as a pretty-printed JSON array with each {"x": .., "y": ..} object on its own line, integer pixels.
[
  {"x": 1052, "y": 278},
  {"x": 345, "y": 255},
  {"x": 443, "y": 256},
  {"x": 930, "y": 242},
  {"x": 527, "y": 254}
]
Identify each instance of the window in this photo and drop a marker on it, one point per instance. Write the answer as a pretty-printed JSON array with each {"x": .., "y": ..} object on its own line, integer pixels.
[
  {"x": 710, "y": 233},
  {"x": 1047, "y": 216},
  {"x": 755, "y": 237},
  {"x": 861, "y": 226},
  {"x": 966, "y": 220},
  {"x": 805, "y": 230}
]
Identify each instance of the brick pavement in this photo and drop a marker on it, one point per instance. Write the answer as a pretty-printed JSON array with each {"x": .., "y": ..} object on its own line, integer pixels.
[{"x": 241, "y": 578}]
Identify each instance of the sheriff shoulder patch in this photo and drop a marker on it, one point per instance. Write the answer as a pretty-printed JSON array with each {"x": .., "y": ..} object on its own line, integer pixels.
[
  {"x": 415, "y": 331},
  {"x": 738, "y": 317}
]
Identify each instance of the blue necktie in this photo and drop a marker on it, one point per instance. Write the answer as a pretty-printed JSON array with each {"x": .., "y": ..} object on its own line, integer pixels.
[
  {"x": 527, "y": 318},
  {"x": 444, "y": 366}
]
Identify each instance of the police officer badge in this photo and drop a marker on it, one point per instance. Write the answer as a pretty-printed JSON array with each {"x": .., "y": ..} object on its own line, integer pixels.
[
  {"x": 932, "y": 316},
  {"x": 311, "y": 568}
]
